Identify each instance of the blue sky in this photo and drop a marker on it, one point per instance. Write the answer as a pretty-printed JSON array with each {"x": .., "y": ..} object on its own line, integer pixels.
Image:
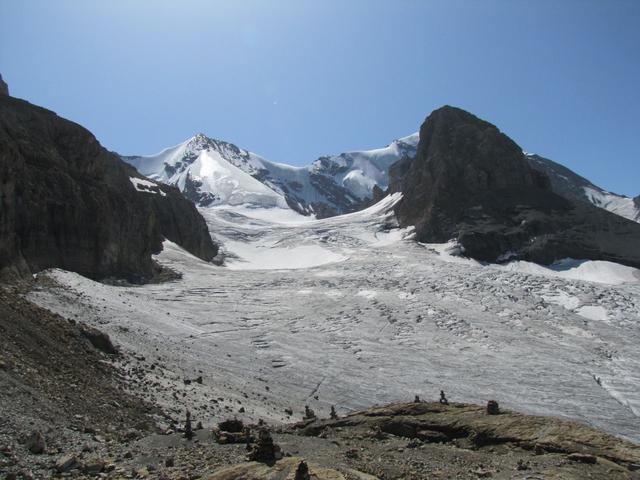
[{"x": 292, "y": 79}]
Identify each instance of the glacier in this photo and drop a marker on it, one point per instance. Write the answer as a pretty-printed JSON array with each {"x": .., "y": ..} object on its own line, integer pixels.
[{"x": 350, "y": 311}]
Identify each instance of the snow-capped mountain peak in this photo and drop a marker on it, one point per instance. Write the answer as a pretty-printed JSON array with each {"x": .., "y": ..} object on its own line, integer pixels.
[{"x": 212, "y": 172}]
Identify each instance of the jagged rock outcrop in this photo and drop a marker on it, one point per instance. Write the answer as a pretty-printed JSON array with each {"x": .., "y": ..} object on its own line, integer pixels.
[
  {"x": 67, "y": 202},
  {"x": 470, "y": 181},
  {"x": 4, "y": 88}
]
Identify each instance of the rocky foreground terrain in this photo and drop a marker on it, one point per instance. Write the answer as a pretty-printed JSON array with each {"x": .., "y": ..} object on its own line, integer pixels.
[{"x": 69, "y": 412}]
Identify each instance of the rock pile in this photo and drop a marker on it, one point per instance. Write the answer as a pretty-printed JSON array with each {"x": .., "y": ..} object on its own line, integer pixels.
[{"x": 265, "y": 449}]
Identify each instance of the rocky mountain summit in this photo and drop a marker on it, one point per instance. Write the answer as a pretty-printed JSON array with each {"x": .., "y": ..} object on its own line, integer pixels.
[
  {"x": 470, "y": 181},
  {"x": 67, "y": 202}
]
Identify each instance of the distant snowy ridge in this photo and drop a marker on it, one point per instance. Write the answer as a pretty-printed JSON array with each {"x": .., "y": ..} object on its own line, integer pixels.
[
  {"x": 570, "y": 185},
  {"x": 618, "y": 204},
  {"x": 213, "y": 172}
]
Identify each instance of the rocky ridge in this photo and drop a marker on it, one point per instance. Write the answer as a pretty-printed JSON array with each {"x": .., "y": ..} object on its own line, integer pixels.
[
  {"x": 470, "y": 181},
  {"x": 576, "y": 188}
]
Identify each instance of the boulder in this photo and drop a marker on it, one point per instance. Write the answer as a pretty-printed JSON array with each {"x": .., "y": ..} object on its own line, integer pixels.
[
  {"x": 93, "y": 466},
  {"x": 36, "y": 443},
  {"x": 66, "y": 463},
  {"x": 231, "y": 425},
  {"x": 98, "y": 339}
]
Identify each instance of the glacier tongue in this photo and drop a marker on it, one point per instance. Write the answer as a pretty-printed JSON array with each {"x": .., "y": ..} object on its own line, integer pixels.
[{"x": 372, "y": 319}]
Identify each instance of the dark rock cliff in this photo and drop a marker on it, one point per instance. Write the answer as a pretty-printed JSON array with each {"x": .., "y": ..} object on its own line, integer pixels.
[
  {"x": 471, "y": 182},
  {"x": 67, "y": 202}
]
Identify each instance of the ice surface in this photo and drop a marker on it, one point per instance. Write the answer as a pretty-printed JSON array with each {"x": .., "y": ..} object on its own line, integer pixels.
[
  {"x": 588, "y": 270},
  {"x": 592, "y": 312},
  {"x": 389, "y": 320}
]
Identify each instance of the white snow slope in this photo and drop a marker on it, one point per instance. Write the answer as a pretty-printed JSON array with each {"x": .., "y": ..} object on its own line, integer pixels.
[
  {"x": 569, "y": 184},
  {"x": 618, "y": 204},
  {"x": 349, "y": 311},
  {"x": 213, "y": 172}
]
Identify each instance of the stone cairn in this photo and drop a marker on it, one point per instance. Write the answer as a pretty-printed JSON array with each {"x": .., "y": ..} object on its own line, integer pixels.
[
  {"x": 265, "y": 450},
  {"x": 188, "y": 430},
  {"x": 247, "y": 438},
  {"x": 332, "y": 414},
  {"x": 443, "y": 399},
  {"x": 302, "y": 472},
  {"x": 416, "y": 399},
  {"x": 493, "y": 408},
  {"x": 309, "y": 414}
]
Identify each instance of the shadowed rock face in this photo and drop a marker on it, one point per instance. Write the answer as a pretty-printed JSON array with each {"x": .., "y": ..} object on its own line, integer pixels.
[
  {"x": 470, "y": 181},
  {"x": 67, "y": 202}
]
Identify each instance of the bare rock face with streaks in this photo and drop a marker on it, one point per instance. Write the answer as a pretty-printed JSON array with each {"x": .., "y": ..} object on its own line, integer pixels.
[{"x": 67, "y": 202}]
